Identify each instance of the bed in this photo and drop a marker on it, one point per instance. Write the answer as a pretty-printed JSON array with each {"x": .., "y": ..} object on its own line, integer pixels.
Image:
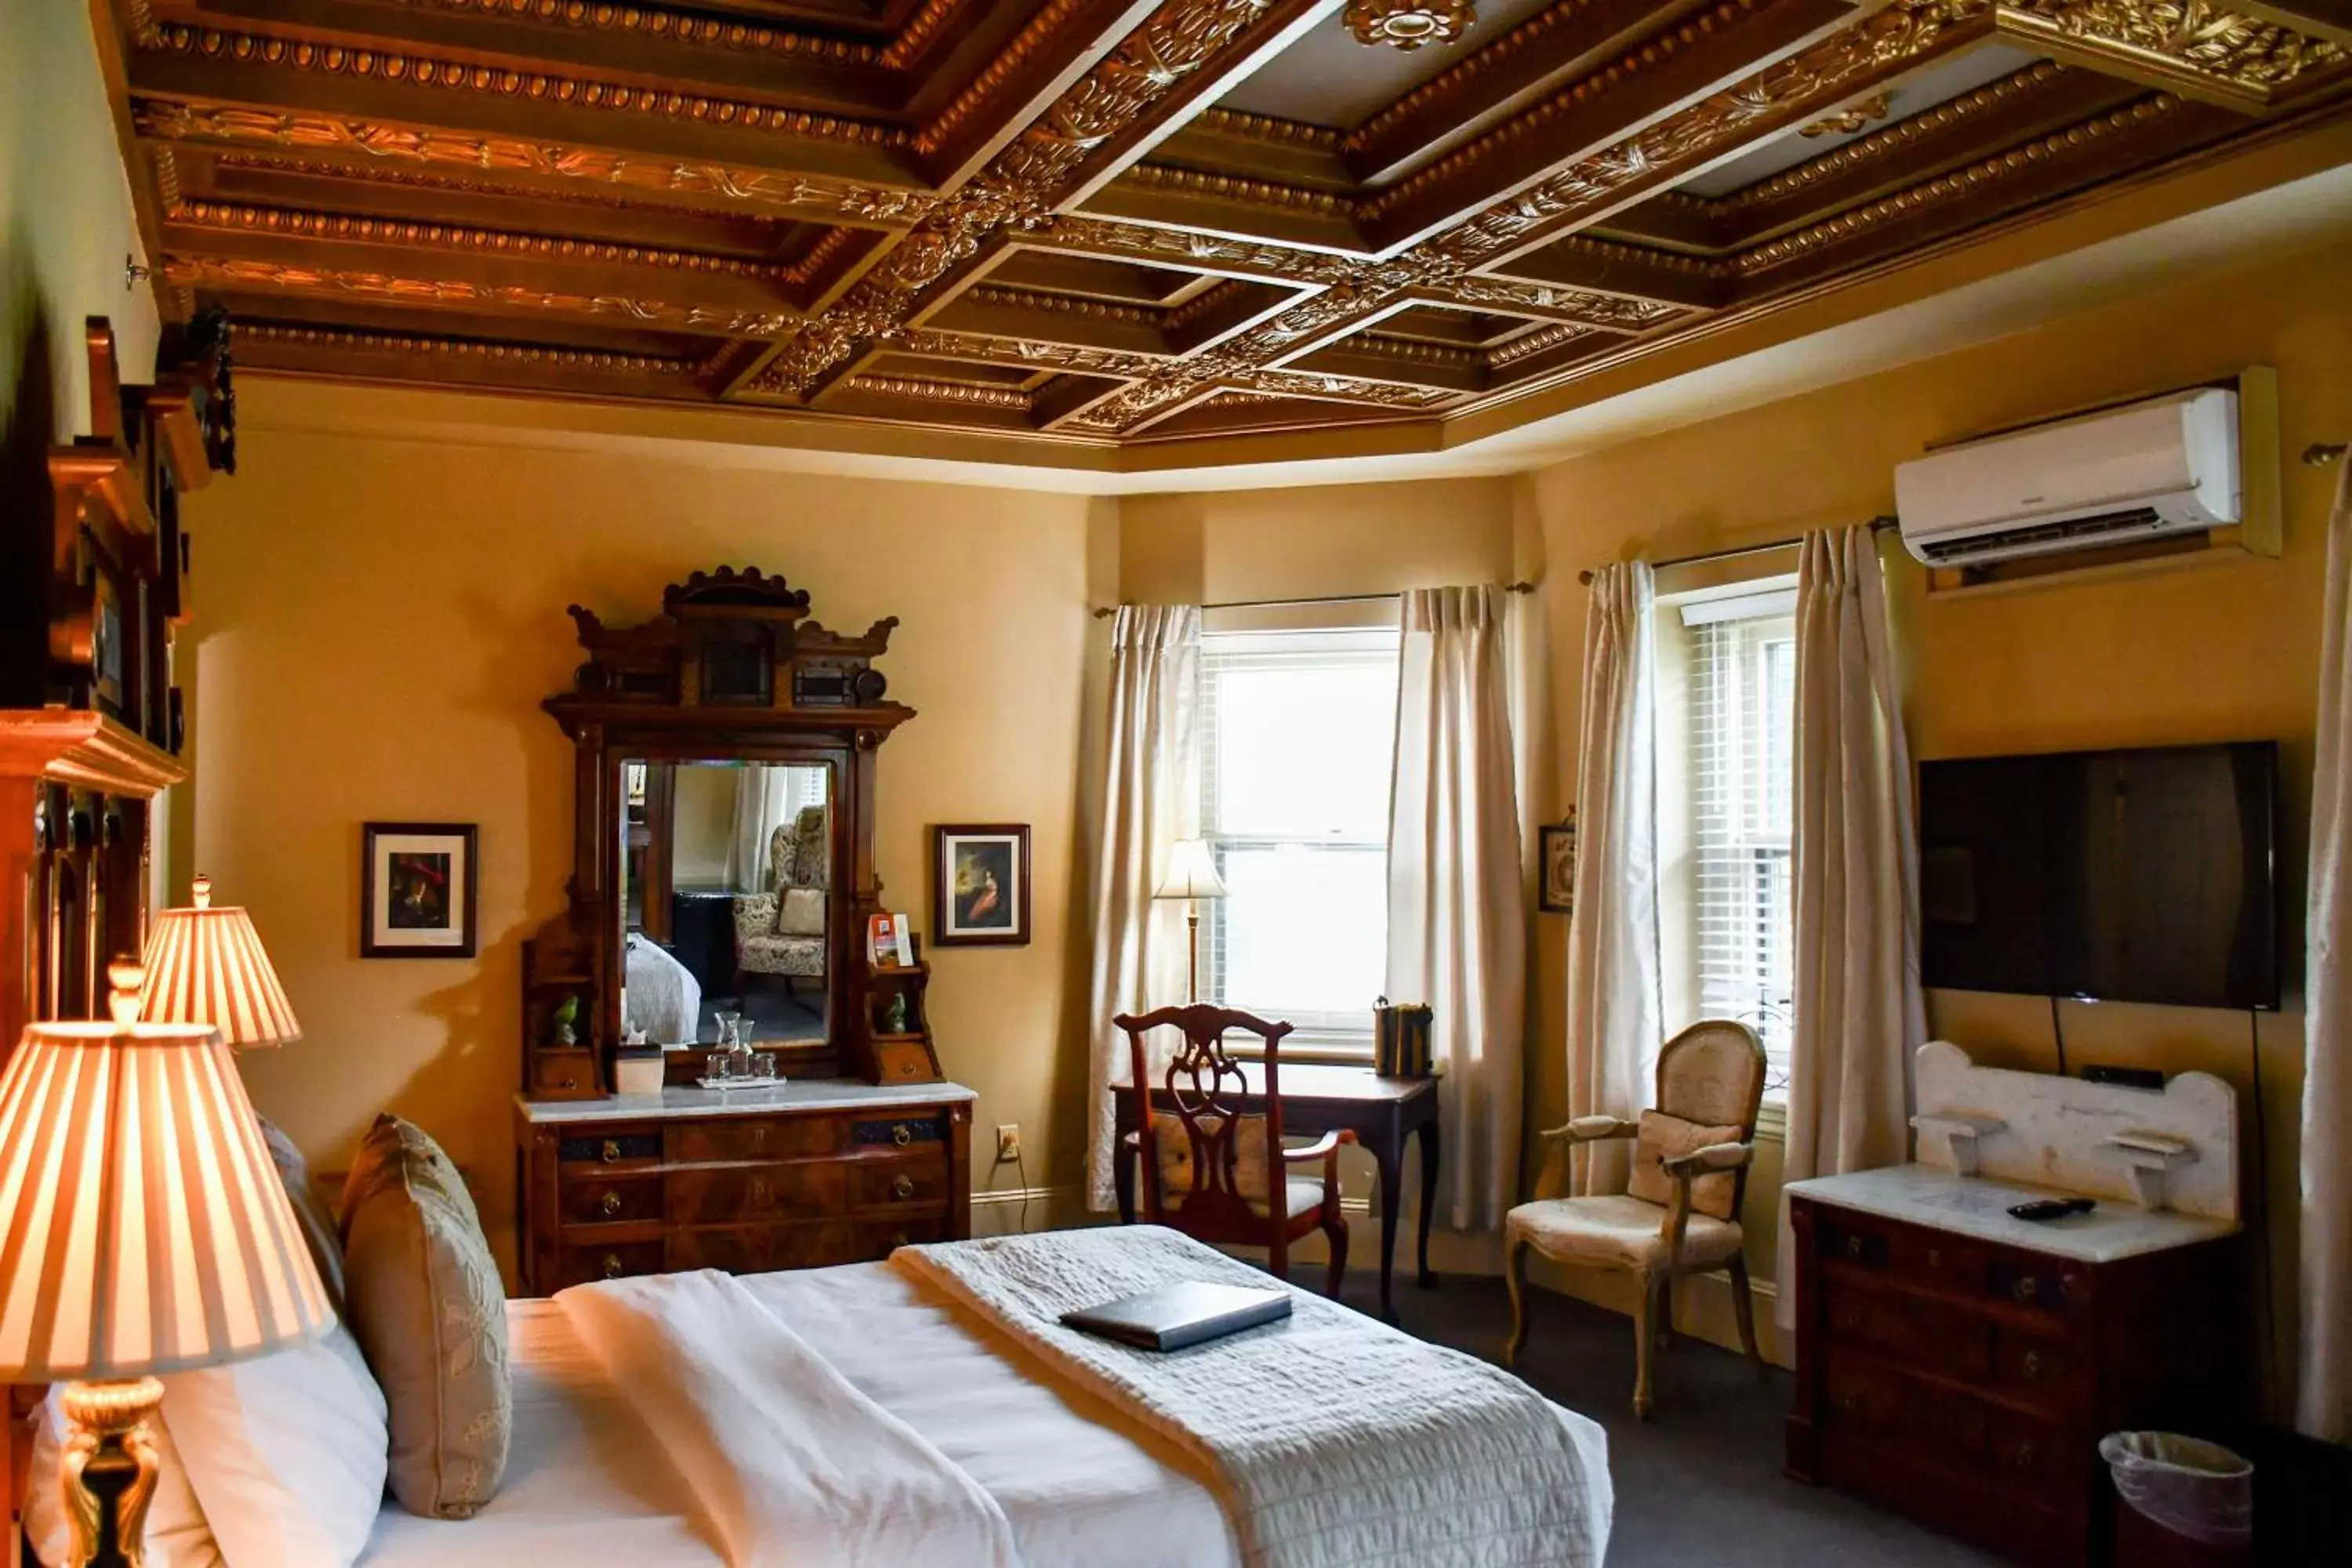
[
  {"x": 605, "y": 1463},
  {"x": 665, "y": 998}
]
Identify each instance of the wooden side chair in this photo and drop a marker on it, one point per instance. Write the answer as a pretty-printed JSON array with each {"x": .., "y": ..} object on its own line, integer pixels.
[
  {"x": 1680, "y": 1211},
  {"x": 1219, "y": 1173}
]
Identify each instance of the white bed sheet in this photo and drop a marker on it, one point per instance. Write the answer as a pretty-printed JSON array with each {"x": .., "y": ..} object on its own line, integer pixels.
[{"x": 1082, "y": 1485}]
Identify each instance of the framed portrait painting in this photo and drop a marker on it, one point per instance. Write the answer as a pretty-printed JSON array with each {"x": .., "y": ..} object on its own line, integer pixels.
[
  {"x": 980, "y": 885},
  {"x": 417, "y": 884},
  {"x": 1556, "y": 893}
]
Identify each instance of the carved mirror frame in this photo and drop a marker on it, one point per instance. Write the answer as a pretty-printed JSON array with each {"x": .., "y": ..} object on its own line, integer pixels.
[{"x": 732, "y": 669}]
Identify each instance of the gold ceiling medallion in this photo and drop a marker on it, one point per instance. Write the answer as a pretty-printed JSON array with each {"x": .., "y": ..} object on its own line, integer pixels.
[
  {"x": 1404, "y": 24},
  {"x": 1853, "y": 118}
]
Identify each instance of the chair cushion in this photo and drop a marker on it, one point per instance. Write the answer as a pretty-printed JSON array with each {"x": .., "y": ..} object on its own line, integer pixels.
[
  {"x": 426, "y": 1306},
  {"x": 1662, "y": 1137},
  {"x": 801, "y": 913},
  {"x": 1618, "y": 1231},
  {"x": 794, "y": 955}
]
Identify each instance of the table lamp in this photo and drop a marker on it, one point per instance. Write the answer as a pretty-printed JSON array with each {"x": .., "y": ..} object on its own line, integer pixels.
[
  {"x": 206, "y": 966},
  {"x": 1191, "y": 876},
  {"x": 145, "y": 1232}
]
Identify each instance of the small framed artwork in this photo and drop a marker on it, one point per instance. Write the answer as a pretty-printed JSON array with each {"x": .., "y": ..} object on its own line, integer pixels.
[
  {"x": 417, "y": 884},
  {"x": 1555, "y": 895},
  {"x": 980, "y": 885}
]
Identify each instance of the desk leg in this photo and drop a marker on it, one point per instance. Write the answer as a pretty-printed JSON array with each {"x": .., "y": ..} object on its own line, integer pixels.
[
  {"x": 1389, "y": 1155},
  {"x": 1427, "y": 1132}
]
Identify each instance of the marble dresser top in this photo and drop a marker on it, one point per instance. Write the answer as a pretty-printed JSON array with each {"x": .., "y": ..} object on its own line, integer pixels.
[
  {"x": 1973, "y": 1206},
  {"x": 794, "y": 1094}
]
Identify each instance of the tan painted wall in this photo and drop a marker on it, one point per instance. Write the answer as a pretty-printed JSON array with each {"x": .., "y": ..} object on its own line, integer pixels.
[
  {"x": 1217, "y": 545},
  {"x": 65, "y": 224},
  {"x": 702, "y": 825},
  {"x": 2223, "y": 651},
  {"x": 379, "y": 621}
]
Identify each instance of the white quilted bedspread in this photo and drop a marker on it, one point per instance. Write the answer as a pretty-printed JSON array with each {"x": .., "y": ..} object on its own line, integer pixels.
[{"x": 1338, "y": 1440}]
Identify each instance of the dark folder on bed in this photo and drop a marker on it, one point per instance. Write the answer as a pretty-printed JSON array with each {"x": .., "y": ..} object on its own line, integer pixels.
[{"x": 1175, "y": 1316}]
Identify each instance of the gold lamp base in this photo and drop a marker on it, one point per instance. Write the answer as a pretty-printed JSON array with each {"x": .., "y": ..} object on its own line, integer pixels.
[{"x": 109, "y": 1469}]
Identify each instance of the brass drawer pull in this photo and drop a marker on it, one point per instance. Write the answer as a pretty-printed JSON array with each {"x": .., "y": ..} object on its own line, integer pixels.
[
  {"x": 1854, "y": 1247},
  {"x": 2025, "y": 1456},
  {"x": 1851, "y": 1404},
  {"x": 1935, "y": 1257},
  {"x": 2026, "y": 1289},
  {"x": 904, "y": 1188},
  {"x": 2030, "y": 1365},
  {"x": 612, "y": 1149},
  {"x": 1849, "y": 1319},
  {"x": 611, "y": 1204},
  {"x": 899, "y": 1239},
  {"x": 611, "y": 1265},
  {"x": 902, "y": 1135}
]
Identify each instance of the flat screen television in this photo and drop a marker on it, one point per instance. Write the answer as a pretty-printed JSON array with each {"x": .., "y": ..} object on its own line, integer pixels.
[{"x": 2139, "y": 875}]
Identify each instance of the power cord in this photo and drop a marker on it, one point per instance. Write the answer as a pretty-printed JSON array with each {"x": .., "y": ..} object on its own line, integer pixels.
[
  {"x": 1020, "y": 1169},
  {"x": 2058, "y": 1033},
  {"x": 2263, "y": 1201}
]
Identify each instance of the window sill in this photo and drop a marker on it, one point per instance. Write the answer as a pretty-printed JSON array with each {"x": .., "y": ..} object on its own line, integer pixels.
[{"x": 1772, "y": 1121}]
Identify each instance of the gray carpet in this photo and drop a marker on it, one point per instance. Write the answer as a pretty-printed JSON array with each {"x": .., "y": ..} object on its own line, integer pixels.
[{"x": 1699, "y": 1482}]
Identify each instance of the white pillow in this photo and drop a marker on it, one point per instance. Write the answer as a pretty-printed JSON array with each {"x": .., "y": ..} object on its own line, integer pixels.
[{"x": 279, "y": 1460}]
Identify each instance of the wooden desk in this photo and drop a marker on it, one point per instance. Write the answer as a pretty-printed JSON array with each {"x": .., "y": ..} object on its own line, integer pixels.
[{"x": 1315, "y": 1100}]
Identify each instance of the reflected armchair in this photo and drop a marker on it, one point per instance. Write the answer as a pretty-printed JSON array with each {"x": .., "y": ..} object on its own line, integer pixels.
[
  {"x": 1679, "y": 1215},
  {"x": 783, "y": 931}
]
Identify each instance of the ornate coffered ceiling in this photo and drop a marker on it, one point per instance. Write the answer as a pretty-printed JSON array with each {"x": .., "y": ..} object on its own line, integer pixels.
[{"x": 1107, "y": 221}]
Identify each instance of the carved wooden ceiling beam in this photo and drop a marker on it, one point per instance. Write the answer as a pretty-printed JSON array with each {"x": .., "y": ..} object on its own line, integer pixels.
[
  {"x": 1186, "y": 52},
  {"x": 2189, "y": 46},
  {"x": 2328, "y": 19},
  {"x": 417, "y": 357}
]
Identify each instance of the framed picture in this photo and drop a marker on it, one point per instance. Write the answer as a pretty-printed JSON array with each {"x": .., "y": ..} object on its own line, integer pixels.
[
  {"x": 418, "y": 885},
  {"x": 980, "y": 885},
  {"x": 1556, "y": 894}
]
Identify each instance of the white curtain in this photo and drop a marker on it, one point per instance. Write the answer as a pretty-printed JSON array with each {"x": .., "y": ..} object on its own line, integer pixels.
[
  {"x": 1150, "y": 798},
  {"x": 1612, "y": 935},
  {"x": 2322, "y": 1405},
  {"x": 764, "y": 802},
  {"x": 1458, "y": 897},
  {"x": 1859, "y": 1019}
]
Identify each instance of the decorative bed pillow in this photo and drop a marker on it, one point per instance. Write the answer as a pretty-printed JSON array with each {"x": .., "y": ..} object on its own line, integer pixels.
[
  {"x": 319, "y": 1229},
  {"x": 275, "y": 1459},
  {"x": 427, "y": 1305},
  {"x": 800, "y": 912},
  {"x": 1662, "y": 1137}
]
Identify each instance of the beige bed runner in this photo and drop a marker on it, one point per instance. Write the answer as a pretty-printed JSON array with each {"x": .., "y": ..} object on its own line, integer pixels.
[{"x": 1338, "y": 1440}]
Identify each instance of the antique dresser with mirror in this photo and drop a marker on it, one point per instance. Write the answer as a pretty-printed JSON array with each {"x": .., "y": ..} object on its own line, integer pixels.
[{"x": 723, "y": 874}]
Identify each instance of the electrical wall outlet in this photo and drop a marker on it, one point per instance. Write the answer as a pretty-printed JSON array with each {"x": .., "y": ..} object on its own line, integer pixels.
[{"x": 1008, "y": 1143}]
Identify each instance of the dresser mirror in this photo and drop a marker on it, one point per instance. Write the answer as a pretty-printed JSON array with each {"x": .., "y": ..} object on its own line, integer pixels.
[
  {"x": 726, "y": 911},
  {"x": 725, "y": 753}
]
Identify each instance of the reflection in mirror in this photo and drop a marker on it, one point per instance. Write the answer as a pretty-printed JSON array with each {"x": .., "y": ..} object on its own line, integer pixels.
[{"x": 725, "y": 889}]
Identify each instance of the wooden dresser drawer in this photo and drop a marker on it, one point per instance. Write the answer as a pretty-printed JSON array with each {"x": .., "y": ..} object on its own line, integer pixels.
[
  {"x": 806, "y": 1189},
  {"x": 593, "y": 1148},
  {"x": 896, "y": 1183},
  {"x": 2021, "y": 1450},
  {"x": 1906, "y": 1327},
  {"x": 756, "y": 1248},
  {"x": 2037, "y": 1367},
  {"x": 720, "y": 1138},
  {"x": 600, "y": 1199},
  {"x": 581, "y": 1264},
  {"x": 1866, "y": 1394}
]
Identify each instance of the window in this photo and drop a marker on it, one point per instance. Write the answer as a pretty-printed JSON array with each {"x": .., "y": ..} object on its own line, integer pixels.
[
  {"x": 1729, "y": 795},
  {"x": 1298, "y": 730}
]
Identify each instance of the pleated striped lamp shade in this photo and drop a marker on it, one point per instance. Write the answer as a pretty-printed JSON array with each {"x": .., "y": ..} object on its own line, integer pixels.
[
  {"x": 145, "y": 1228},
  {"x": 206, "y": 966}
]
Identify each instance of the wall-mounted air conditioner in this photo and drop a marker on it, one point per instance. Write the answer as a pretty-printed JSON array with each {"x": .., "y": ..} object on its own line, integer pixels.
[{"x": 2165, "y": 466}]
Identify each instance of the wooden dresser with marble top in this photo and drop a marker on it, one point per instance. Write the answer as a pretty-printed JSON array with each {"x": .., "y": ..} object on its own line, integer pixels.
[
  {"x": 1960, "y": 1366},
  {"x": 819, "y": 1172}
]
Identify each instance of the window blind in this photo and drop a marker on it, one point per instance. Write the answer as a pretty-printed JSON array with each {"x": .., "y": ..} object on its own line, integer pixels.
[
  {"x": 1741, "y": 734},
  {"x": 1297, "y": 730}
]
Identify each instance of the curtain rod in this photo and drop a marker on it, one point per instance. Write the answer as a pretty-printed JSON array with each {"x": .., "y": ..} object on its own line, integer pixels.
[
  {"x": 1876, "y": 523},
  {"x": 1103, "y": 610}
]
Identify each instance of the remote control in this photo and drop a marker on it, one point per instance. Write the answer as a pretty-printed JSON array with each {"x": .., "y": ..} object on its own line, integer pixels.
[{"x": 2050, "y": 1208}]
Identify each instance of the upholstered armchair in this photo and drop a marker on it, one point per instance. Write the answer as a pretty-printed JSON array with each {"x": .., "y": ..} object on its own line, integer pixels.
[
  {"x": 783, "y": 932},
  {"x": 1679, "y": 1215}
]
